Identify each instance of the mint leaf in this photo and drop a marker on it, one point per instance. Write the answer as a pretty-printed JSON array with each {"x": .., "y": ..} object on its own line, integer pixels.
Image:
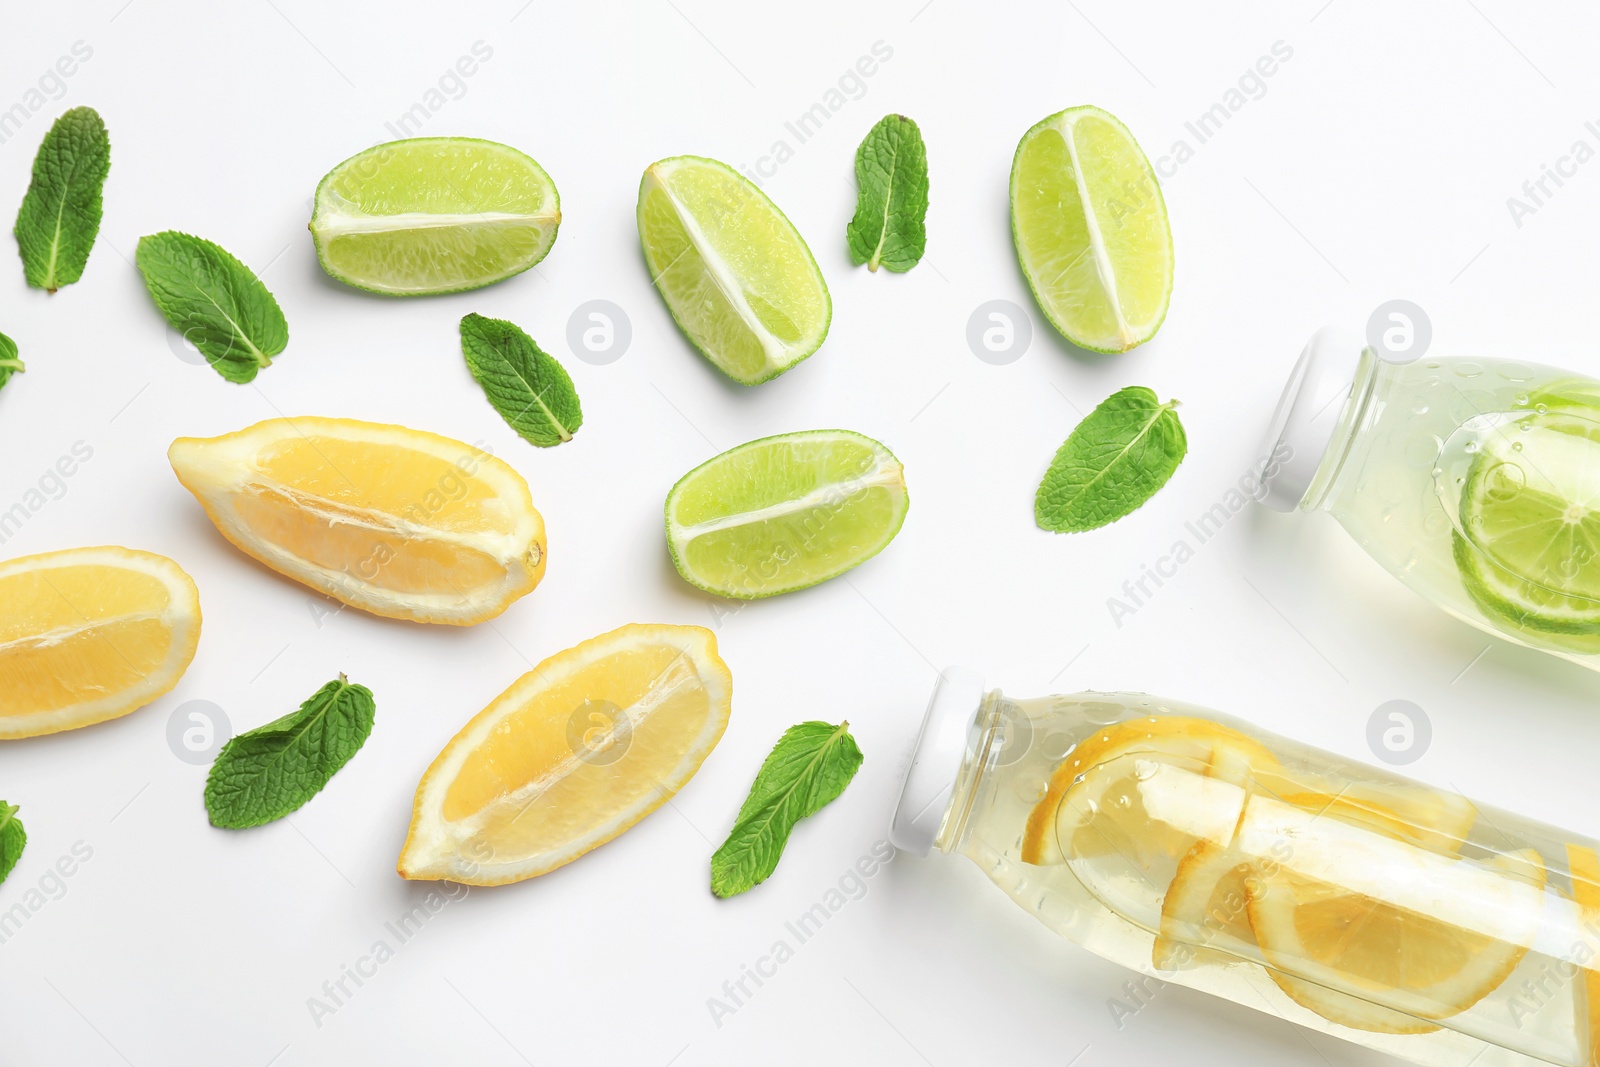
[
  {"x": 13, "y": 838},
  {"x": 529, "y": 389},
  {"x": 807, "y": 769},
  {"x": 60, "y": 214},
  {"x": 892, "y": 198},
  {"x": 215, "y": 301},
  {"x": 1112, "y": 462},
  {"x": 272, "y": 770},
  {"x": 9, "y": 363}
]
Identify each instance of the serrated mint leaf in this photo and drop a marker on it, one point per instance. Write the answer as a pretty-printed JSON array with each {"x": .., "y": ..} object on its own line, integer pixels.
[
  {"x": 272, "y": 770},
  {"x": 892, "y": 197},
  {"x": 214, "y": 301},
  {"x": 60, "y": 214},
  {"x": 13, "y": 839},
  {"x": 529, "y": 389},
  {"x": 806, "y": 770},
  {"x": 1113, "y": 461},
  {"x": 9, "y": 363}
]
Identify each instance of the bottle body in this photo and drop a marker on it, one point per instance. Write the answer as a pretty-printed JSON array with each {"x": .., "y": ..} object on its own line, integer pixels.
[
  {"x": 1197, "y": 849},
  {"x": 1475, "y": 482}
]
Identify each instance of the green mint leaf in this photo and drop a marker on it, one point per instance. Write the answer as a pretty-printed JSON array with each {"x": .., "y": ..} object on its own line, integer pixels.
[
  {"x": 13, "y": 839},
  {"x": 892, "y": 205},
  {"x": 272, "y": 770},
  {"x": 60, "y": 214},
  {"x": 806, "y": 770},
  {"x": 1113, "y": 461},
  {"x": 529, "y": 389},
  {"x": 9, "y": 363},
  {"x": 215, "y": 301}
]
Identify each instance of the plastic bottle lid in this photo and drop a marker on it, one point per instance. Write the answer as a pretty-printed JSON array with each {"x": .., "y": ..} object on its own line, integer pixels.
[
  {"x": 1308, "y": 412},
  {"x": 935, "y": 762}
]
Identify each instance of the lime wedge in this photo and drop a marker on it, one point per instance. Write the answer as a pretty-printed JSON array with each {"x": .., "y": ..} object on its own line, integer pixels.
[
  {"x": 1530, "y": 511},
  {"x": 434, "y": 215},
  {"x": 783, "y": 513},
  {"x": 1091, "y": 230},
  {"x": 737, "y": 277}
]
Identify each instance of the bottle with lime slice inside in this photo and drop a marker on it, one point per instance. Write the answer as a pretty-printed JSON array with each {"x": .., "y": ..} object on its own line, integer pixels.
[
  {"x": 1200, "y": 850},
  {"x": 1474, "y": 481}
]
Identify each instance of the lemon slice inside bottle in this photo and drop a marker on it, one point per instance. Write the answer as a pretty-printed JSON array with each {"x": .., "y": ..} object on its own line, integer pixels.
[
  {"x": 1393, "y": 937},
  {"x": 1204, "y": 914},
  {"x": 1094, "y": 803}
]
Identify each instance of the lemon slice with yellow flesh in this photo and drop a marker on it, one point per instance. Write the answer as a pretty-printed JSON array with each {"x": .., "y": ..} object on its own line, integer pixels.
[
  {"x": 1101, "y": 810},
  {"x": 391, "y": 520},
  {"x": 1377, "y": 934},
  {"x": 1205, "y": 916},
  {"x": 90, "y": 634},
  {"x": 576, "y": 751}
]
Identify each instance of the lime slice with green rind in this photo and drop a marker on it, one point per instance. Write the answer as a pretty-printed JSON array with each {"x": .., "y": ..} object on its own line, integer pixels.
[
  {"x": 434, "y": 215},
  {"x": 1091, "y": 230},
  {"x": 1529, "y": 544},
  {"x": 736, "y": 275},
  {"x": 783, "y": 513}
]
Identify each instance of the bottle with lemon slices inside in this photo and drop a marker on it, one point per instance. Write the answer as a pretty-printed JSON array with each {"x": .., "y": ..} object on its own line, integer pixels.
[
  {"x": 1474, "y": 481},
  {"x": 1200, "y": 850}
]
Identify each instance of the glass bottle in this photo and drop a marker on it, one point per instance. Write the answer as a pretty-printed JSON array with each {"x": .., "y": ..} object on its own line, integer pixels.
[
  {"x": 1474, "y": 481},
  {"x": 1198, "y": 849}
]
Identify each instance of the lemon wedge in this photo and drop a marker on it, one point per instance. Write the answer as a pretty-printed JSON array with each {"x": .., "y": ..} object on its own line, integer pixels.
[
  {"x": 394, "y": 521},
  {"x": 576, "y": 751},
  {"x": 90, "y": 634}
]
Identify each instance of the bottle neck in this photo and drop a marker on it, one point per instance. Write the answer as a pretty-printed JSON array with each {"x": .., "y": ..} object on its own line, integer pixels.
[
  {"x": 1357, "y": 414},
  {"x": 985, "y": 739}
]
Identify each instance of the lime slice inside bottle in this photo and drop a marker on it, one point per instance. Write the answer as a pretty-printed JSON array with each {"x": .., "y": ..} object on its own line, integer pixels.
[
  {"x": 1091, "y": 230},
  {"x": 737, "y": 277},
  {"x": 434, "y": 215},
  {"x": 1529, "y": 544},
  {"x": 783, "y": 513}
]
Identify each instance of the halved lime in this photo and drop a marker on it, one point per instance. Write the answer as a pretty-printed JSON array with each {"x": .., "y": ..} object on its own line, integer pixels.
[
  {"x": 434, "y": 215},
  {"x": 1529, "y": 548},
  {"x": 1091, "y": 230},
  {"x": 783, "y": 513},
  {"x": 736, "y": 275}
]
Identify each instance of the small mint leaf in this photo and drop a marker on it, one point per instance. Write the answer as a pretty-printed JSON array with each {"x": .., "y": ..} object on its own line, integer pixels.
[
  {"x": 890, "y": 226},
  {"x": 60, "y": 215},
  {"x": 268, "y": 772},
  {"x": 214, "y": 301},
  {"x": 1113, "y": 461},
  {"x": 13, "y": 838},
  {"x": 806, "y": 770},
  {"x": 529, "y": 389},
  {"x": 9, "y": 363}
]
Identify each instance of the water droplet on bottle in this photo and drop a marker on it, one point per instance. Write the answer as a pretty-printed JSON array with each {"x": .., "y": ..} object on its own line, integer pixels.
[
  {"x": 1522, "y": 400},
  {"x": 1145, "y": 769},
  {"x": 1468, "y": 370},
  {"x": 1419, "y": 406},
  {"x": 1472, "y": 447},
  {"x": 1513, "y": 372},
  {"x": 1541, "y": 408},
  {"x": 1516, "y": 446}
]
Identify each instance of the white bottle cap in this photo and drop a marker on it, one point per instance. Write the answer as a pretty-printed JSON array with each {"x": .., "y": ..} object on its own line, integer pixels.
[
  {"x": 935, "y": 762},
  {"x": 1307, "y": 415}
]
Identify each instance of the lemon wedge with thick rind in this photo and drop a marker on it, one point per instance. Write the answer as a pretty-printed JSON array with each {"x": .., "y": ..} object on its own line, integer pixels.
[
  {"x": 90, "y": 634},
  {"x": 394, "y": 521},
  {"x": 575, "y": 752}
]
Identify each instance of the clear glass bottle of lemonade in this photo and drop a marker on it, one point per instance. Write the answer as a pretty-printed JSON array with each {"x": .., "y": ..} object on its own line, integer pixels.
[
  {"x": 1201, "y": 850},
  {"x": 1474, "y": 481}
]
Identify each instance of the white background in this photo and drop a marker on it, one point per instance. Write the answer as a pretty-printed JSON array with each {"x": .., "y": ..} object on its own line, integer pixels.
[{"x": 1376, "y": 165}]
